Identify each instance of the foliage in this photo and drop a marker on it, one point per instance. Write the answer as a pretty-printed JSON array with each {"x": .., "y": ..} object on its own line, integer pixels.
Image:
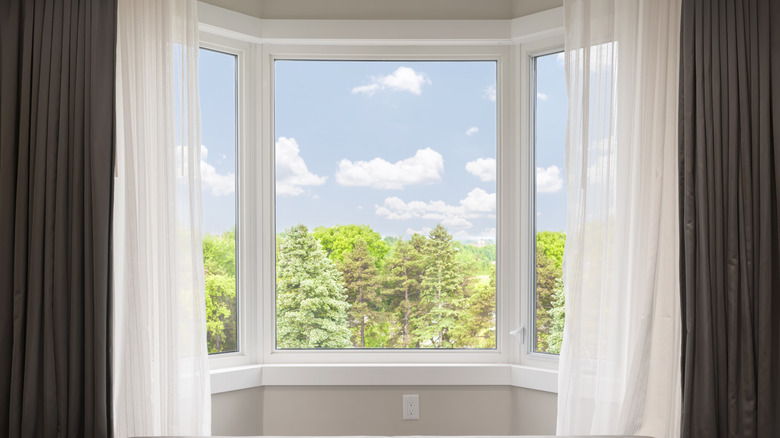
[
  {"x": 402, "y": 280},
  {"x": 480, "y": 258},
  {"x": 360, "y": 280},
  {"x": 219, "y": 265},
  {"x": 550, "y": 313},
  {"x": 440, "y": 291},
  {"x": 477, "y": 319},
  {"x": 311, "y": 306},
  {"x": 338, "y": 240},
  {"x": 354, "y": 288},
  {"x": 558, "y": 315},
  {"x": 551, "y": 243}
]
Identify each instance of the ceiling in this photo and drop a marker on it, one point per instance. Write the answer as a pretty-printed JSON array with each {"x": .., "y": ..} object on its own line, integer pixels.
[{"x": 388, "y": 9}]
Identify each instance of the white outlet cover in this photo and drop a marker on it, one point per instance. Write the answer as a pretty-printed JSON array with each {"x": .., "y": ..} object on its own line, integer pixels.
[{"x": 411, "y": 408}]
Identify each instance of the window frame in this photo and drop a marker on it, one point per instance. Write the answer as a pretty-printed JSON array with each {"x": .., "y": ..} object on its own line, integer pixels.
[
  {"x": 255, "y": 41},
  {"x": 246, "y": 322},
  {"x": 272, "y": 53},
  {"x": 529, "y": 52}
]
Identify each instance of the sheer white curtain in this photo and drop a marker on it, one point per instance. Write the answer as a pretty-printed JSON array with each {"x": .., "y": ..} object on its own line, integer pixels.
[
  {"x": 161, "y": 374},
  {"x": 619, "y": 368}
]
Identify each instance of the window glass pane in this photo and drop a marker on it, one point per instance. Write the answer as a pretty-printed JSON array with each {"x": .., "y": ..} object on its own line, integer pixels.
[
  {"x": 385, "y": 204},
  {"x": 218, "y": 102},
  {"x": 549, "y": 133}
]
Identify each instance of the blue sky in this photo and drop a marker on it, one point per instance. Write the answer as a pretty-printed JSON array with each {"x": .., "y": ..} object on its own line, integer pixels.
[{"x": 400, "y": 146}]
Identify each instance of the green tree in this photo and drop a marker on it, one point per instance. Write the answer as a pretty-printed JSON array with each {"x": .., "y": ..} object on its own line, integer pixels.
[
  {"x": 360, "y": 280},
  {"x": 341, "y": 239},
  {"x": 558, "y": 316},
  {"x": 440, "y": 291},
  {"x": 403, "y": 276},
  {"x": 477, "y": 318},
  {"x": 311, "y": 307},
  {"x": 551, "y": 243},
  {"x": 219, "y": 266},
  {"x": 549, "y": 274},
  {"x": 546, "y": 276}
]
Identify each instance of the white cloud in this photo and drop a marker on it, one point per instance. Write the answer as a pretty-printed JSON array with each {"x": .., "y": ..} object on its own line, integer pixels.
[
  {"x": 291, "y": 171},
  {"x": 560, "y": 58},
  {"x": 548, "y": 180},
  {"x": 483, "y": 168},
  {"x": 486, "y": 234},
  {"x": 426, "y": 166},
  {"x": 402, "y": 79},
  {"x": 471, "y": 131},
  {"x": 219, "y": 184},
  {"x": 423, "y": 231},
  {"x": 476, "y": 204},
  {"x": 541, "y": 96},
  {"x": 490, "y": 93}
]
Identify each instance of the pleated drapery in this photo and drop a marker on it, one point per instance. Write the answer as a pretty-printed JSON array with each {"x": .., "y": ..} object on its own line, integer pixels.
[
  {"x": 729, "y": 154},
  {"x": 57, "y": 64}
]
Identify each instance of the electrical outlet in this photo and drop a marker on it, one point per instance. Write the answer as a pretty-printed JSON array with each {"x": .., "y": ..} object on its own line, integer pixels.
[{"x": 412, "y": 407}]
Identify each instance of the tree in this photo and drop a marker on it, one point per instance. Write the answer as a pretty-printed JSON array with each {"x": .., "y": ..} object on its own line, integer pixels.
[
  {"x": 546, "y": 277},
  {"x": 219, "y": 266},
  {"x": 311, "y": 307},
  {"x": 549, "y": 289},
  {"x": 551, "y": 243},
  {"x": 558, "y": 315},
  {"x": 360, "y": 281},
  {"x": 440, "y": 291},
  {"x": 477, "y": 318},
  {"x": 402, "y": 283},
  {"x": 341, "y": 239}
]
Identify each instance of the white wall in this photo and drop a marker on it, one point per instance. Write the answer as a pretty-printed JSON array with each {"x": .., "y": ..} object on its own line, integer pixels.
[{"x": 376, "y": 410}]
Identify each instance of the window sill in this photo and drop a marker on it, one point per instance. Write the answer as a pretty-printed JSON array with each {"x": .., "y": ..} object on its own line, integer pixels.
[{"x": 251, "y": 376}]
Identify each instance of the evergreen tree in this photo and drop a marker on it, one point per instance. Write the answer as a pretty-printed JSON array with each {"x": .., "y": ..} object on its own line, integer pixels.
[
  {"x": 360, "y": 280},
  {"x": 402, "y": 282},
  {"x": 311, "y": 307},
  {"x": 440, "y": 291}
]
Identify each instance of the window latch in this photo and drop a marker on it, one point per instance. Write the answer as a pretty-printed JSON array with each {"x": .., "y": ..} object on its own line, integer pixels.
[{"x": 519, "y": 334}]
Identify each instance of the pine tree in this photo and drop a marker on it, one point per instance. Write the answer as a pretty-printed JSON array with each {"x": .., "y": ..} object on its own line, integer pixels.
[
  {"x": 402, "y": 282},
  {"x": 440, "y": 291},
  {"x": 360, "y": 280},
  {"x": 311, "y": 306}
]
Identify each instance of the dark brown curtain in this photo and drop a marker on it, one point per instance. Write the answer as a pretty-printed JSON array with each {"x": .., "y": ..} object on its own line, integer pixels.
[
  {"x": 729, "y": 205},
  {"x": 56, "y": 158}
]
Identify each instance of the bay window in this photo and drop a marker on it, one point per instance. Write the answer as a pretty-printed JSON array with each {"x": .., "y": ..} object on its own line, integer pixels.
[{"x": 386, "y": 196}]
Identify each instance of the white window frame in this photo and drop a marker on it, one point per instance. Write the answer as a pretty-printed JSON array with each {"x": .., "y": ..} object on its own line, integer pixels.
[
  {"x": 510, "y": 43},
  {"x": 528, "y": 52},
  {"x": 246, "y": 108},
  {"x": 499, "y": 54}
]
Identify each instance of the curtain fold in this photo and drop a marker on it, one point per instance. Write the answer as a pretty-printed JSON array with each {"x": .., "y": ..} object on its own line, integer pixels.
[
  {"x": 619, "y": 365},
  {"x": 160, "y": 358},
  {"x": 56, "y": 162},
  {"x": 729, "y": 155}
]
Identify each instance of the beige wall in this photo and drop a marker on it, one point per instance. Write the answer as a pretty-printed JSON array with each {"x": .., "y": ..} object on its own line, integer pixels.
[
  {"x": 237, "y": 412},
  {"x": 376, "y": 410}
]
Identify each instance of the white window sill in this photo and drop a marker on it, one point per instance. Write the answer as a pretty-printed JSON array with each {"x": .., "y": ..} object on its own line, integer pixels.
[{"x": 250, "y": 376}]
